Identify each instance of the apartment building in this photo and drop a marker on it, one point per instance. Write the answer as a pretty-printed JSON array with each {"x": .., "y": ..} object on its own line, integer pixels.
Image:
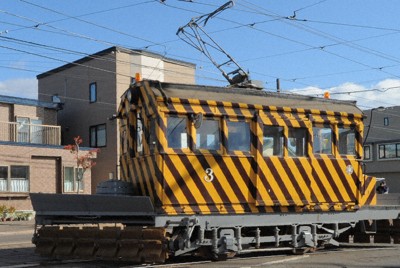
[
  {"x": 382, "y": 145},
  {"x": 31, "y": 157},
  {"x": 90, "y": 89}
]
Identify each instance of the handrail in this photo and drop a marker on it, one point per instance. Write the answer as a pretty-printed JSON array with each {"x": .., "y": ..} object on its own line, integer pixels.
[{"x": 30, "y": 133}]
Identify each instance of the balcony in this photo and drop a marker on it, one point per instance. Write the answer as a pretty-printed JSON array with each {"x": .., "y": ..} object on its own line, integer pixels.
[{"x": 30, "y": 133}]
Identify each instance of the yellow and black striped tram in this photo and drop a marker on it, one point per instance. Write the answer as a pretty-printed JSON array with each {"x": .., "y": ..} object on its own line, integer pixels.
[
  {"x": 219, "y": 171},
  {"x": 206, "y": 150}
]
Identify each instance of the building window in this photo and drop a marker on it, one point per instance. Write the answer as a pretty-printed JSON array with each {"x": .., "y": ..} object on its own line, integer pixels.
[
  {"x": 272, "y": 141},
  {"x": 177, "y": 136},
  {"x": 347, "y": 140},
  {"x": 3, "y": 179},
  {"x": 386, "y": 121},
  {"x": 93, "y": 92},
  {"x": 367, "y": 153},
  {"x": 71, "y": 180},
  {"x": 23, "y": 129},
  {"x": 238, "y": 136},
  {"x": 29, "y": 130},
  {"x": 389, "y": 151},
  {"x": 297, "y": 141},
  {"x": 14, "y": 179},
  {"x": 208, "y": 135},
  {"x": 322, "y": 140},
  {"x": 98, "y": 136}
]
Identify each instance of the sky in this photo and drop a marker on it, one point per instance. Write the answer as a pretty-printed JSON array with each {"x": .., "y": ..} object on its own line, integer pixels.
[{"x": 350, "y": 49}]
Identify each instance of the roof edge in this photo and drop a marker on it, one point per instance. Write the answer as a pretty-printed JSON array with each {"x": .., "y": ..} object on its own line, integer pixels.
[{"x": 108, "y": 51}]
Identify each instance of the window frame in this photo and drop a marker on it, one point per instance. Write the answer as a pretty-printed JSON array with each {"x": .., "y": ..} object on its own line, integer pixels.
[
  {"x": 93, "y": 92},
  {"x": 280, "y": 144},
  {"x": 74, "y": 180},
  {"x": 94, "y": 144},
  {"x": 139, "y": 134},
  {"x": 386, "y": 121},
  {"x": 396, "y": 151},
  {"x": 304, "y": 143},
  {"x": 195, "y": 147},
  {"x": 332, "y": 132},
  {"x": 168, "y": 132},
  {"x": 5, "y": 184},
  {"x": 369, "y": 146},
  {"x": 33, "y": 128},
  {"x": 354, "y": 132},
  {"x": 238, "y": 121},
  {"x": 9, "y": 179}
]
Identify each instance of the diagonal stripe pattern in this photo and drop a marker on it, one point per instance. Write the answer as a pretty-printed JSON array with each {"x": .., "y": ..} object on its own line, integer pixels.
[{"x": 188, "y": 181}]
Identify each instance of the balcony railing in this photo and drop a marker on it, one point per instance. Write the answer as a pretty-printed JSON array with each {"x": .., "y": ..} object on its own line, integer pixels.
[{"x": 30, "y": 133}]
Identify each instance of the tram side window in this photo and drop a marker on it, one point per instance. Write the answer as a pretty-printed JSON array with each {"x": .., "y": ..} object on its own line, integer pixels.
[
  {"x": 322, "y": 140},
  {"x": 297, "y": 141},
  {"x": 208, "y": 135},
  {"x": 124, "y": 140},
  {"x": 177, "y": 136},
  {"x": 272, "y": 141},
  {"x": 238, "y": 136},
  {"x": 347, "y": 140},
  {"x": 139, "y": 134},
  {"x": 152, "y": 135}
]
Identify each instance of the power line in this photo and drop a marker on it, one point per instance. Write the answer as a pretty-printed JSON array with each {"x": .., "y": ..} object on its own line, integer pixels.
[
  {"x": 175, "y": 7},
  {"x": 248, "y": 25},
  {"x": 90, "y": 23},
  {"x": 311, "y": 5}
]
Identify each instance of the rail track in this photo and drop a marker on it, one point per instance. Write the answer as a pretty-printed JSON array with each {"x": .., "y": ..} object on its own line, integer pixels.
[{"x": 255, "y": 259}]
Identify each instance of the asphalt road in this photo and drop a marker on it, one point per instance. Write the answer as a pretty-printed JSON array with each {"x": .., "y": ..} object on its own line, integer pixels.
[{"x": 16, "y": 251}]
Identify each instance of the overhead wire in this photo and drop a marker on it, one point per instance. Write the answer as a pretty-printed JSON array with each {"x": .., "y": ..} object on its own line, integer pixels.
[
  {"x": 89, "y": 22},
  {"x": 190, "y": 11},
  {"x": 108, "y": 28},
  {"x": 338, "y": 41},
  {"x": 146, "y": 2},
  {"x": 376, "y": 53}
]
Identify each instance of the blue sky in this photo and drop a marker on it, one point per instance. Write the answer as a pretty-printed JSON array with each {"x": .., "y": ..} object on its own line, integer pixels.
[{"x": 349, "y": 48}]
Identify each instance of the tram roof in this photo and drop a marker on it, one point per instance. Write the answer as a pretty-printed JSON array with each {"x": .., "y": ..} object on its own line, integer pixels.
[{"x": 252, "y": 96}]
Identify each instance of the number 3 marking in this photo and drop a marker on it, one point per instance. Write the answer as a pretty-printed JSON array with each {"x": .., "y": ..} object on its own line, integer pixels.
[{"x": 210, "y": 175}]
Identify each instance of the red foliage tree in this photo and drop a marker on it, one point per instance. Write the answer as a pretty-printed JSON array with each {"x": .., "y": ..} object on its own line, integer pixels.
[{"x": 83, "y": 161}]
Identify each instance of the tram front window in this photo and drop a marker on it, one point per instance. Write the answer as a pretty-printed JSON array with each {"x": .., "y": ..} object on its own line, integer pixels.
[
  {"x": 208, "y": 135},
  {"x": 272, "y": 141},
  {"x": 238, "y": 136},
  {"x": 322, "y": 140},
  {"x": 297, "y": 141},
  {"x": 177, "y": 132},
  {"x": 347, "y": 140}
]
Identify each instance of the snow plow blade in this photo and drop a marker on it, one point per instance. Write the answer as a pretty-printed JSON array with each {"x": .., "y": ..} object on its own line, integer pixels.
[
  {"x": 74, "y": 209},
  {"x": 98, "y": 227}
]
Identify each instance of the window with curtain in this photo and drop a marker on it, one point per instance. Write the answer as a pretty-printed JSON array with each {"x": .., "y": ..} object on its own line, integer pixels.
[{"x": 19, "y": 179}]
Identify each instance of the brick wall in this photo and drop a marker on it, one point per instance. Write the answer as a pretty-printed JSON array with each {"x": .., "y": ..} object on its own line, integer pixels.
[
  {"x": 5, "y": 110},
  {"x": 48, "y": 116},
  {"x": 46, "y": 171}
]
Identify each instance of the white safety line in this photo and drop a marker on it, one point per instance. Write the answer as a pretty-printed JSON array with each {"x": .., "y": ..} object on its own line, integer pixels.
[
  {"x": 185, "y": 264},
  {"x": 281, "y": 261},
  {"x": 17, "y": 232},
  {"x": 19, "y": 244}
]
